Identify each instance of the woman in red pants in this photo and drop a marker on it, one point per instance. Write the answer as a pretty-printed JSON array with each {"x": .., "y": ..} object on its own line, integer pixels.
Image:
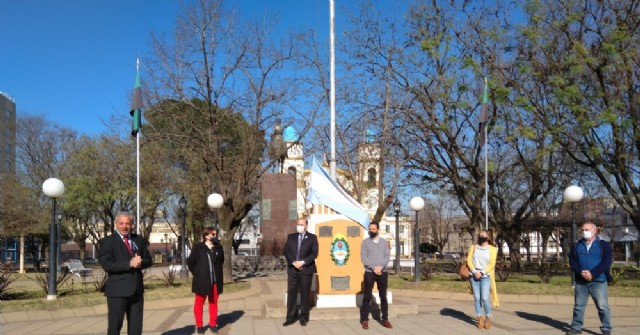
[{"x": 205, "y": 263}]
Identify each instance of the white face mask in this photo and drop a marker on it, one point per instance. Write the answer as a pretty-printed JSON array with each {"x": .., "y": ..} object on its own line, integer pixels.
[
  {"x": 587, "y": 234},
  {"x": 300, "y": 229}
]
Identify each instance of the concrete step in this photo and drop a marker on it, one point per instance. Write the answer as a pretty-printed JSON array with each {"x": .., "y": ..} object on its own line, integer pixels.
[{"x": 277, "y": 309}]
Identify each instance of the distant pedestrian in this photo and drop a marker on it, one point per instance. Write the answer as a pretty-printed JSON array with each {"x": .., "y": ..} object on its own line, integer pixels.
[
  {"x": 205, "y": 263},
  {"x": 301, "y": 251},
  {"x": 123, "y": 255},
  {"x": 590, "y": 259},
  {"x": 375, "y": 257},
  {"x": 481, "y": 261}
]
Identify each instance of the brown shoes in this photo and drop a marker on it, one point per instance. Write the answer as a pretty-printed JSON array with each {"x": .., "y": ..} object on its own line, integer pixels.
[
  {"x": 480, "y": 321},
  {"x": 385, "y": 323},
  {"x": 487, "y": 324}
]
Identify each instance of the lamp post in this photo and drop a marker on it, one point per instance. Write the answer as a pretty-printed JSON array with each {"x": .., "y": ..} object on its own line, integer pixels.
[
  {"x": 174, "y": 249},
  {"x": 166, "y": 242},
  {"x": 184, "y": 273},
  {"x": 396, "y": 208},
  {"x": 573, "y": 194},
  {"x": 54, "y": 189},
  {"x": 215, "y": 201},
  {"x": 58, "y": 238},
  {"x": 417, "y": 204}
]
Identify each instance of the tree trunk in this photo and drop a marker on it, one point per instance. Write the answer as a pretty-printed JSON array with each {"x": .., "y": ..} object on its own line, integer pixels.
[
  {"x": 22, "y": 253},
  {"x": 514, "y": 253},
  {"x": 227, "y": 245}
]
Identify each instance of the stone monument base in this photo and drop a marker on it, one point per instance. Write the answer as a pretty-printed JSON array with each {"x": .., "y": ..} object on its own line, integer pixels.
[{"x": 341, "y": 300}]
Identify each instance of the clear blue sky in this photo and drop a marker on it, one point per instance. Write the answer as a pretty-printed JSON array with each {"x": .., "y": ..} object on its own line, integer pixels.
[{"x": 73, "y": 61}]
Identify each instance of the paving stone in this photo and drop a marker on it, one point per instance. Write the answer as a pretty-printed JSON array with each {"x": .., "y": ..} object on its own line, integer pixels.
[{"x": 244, "y": 313}]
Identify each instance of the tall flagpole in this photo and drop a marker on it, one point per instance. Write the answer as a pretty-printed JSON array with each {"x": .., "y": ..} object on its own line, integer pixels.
[
  {"x": 486, "y": 180},
  {"x": 138, "y": 168},
  {"x": 332, "y": 94},
  {"x": 486, "y": 168}
]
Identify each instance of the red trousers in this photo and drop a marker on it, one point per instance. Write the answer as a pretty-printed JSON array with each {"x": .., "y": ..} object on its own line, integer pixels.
[{"x": 213, "y": 308}]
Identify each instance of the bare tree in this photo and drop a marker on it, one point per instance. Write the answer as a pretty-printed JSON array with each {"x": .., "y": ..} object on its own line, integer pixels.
[
  {"x": 40, "y": 147},
  {"x": 448, "y": 48},
  {"x": 441, "y": 220},
  {"x": 367, "y": 136},
  {"x": 215, "y": 89}
]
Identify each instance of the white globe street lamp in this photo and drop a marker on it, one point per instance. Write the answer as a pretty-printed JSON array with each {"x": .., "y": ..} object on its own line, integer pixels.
[
  {"x": 416, "y": 204},
  {"x": 573, "y": 194},
  {"x": 54, "y": 189},
  {"x": 215, "y": 201}
]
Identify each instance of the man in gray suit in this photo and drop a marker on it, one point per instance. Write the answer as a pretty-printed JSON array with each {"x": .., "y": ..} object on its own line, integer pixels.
[{"x": 123, "y": 255}]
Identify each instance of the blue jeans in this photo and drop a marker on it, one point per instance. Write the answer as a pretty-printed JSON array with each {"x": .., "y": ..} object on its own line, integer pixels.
[
  {"x": 481, "y": 288},
  {"x": 600, "y": 294}
]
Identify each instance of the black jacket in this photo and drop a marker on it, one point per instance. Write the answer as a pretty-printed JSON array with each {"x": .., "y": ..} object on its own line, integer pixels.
[
  {"x": 308, "y": 252},
  {"x": 198, "y": 262},
  {"x": 114, "y": 258}
]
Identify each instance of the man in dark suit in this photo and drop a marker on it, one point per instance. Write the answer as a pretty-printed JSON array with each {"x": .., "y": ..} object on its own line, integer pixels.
[
  {"x": 300, "y": 251},
  {"x": 123, "y": 255}
]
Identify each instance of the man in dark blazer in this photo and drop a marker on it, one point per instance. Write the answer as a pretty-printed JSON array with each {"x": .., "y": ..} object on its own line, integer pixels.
[
  {"x": 301, "y": 251},
  {"x": 123, "y": 255}
]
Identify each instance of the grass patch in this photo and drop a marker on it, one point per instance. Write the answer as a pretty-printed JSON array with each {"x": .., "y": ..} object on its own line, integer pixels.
[
  {"x": 75, "y": 295},
  {"x": 517, "y": 284}
]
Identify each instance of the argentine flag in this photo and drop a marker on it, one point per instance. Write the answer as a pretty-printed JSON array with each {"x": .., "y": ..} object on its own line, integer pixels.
[{"x": 326, "y": 191}]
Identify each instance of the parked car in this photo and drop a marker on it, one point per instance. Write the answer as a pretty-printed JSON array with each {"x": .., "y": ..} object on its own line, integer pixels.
[
  {"x": 447, "y": 255},
  {"x": 90, "y": 260},
  {"x": 451, "y": 255},
  {"x": 552, "y": 258}
]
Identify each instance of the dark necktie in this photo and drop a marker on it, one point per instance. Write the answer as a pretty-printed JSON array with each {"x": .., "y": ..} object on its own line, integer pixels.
[
  {"x": 126, "y": 242},
  {"x": 299, "y": 243}
]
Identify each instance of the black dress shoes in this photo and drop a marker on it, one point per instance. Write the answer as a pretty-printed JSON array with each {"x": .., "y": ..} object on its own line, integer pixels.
[
  {"x": 288, "y": 323},
  {"x": 303, "y": 323}
]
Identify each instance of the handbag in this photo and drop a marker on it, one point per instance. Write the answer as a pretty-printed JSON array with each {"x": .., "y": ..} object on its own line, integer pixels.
[{"x": 464, "y": 272}]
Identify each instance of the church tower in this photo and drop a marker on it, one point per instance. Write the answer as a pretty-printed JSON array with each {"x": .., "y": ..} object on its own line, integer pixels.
[
  {"x": 369, "y": 171},
  {"x": 294, "y": 165}
]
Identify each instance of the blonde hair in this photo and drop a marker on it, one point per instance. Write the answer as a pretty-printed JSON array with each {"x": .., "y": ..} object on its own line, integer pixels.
[{"x": 489, "y": 238}]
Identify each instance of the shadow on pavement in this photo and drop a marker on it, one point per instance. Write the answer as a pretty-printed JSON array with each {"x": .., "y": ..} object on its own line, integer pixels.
[
  {"x": 223, "y": 320},
  {"x": 563, "y": 326},
  {"x": 186, "y": 330},
  {"x": 457, "y": 315},
  {"x": 229, "y": 318}
]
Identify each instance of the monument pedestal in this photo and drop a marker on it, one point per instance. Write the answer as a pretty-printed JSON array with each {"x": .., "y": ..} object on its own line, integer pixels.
[{"x": 347, "y": 300}]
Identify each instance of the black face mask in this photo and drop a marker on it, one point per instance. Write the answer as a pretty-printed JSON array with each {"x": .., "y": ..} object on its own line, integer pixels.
[
  {"x": 372, "y": 234},
  {"x": 482, "y": 240}
]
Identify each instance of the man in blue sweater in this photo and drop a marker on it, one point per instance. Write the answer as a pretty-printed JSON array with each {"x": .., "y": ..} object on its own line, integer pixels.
[
  {"x": 590, "y": 260},
  {"x": 375, "y": 257}
]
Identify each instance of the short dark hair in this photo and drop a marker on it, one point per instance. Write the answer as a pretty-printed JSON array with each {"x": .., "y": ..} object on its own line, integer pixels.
[
  {"x": 376, "y": 223},
  {"x": 207, "y": 231}
]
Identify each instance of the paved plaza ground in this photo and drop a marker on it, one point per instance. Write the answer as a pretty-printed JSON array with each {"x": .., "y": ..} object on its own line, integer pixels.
[{"x": 258, "y": 310}]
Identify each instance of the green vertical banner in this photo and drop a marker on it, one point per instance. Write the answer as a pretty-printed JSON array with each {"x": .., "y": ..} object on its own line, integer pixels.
[
  {"x": 136, "y": 107},
  {"x": 484, "y": 114}
]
